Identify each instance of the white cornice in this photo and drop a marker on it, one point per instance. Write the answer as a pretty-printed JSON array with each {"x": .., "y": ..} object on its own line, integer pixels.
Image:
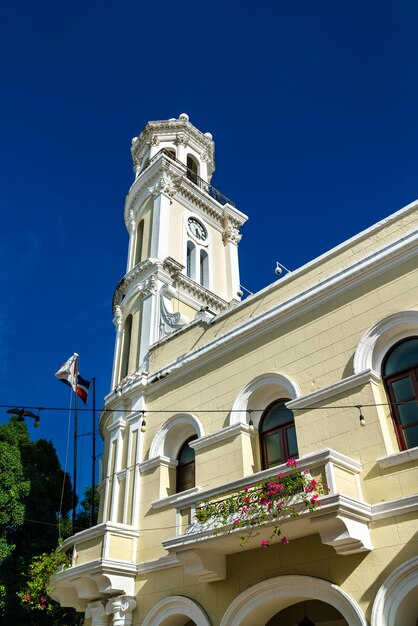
[
  {"x": 351, "y": 382},
  {"x": 176, "y": 499},
  {"x": 226, "y": 433},
  {"x": 165, "y": 166},
  {"x": 406, "y": 456},
  {"x": 380, "y": 261},
  {"x": 157, "y": 461},
  {"x": 400, "y": 506},
  {"x": 164, "y": 562}
]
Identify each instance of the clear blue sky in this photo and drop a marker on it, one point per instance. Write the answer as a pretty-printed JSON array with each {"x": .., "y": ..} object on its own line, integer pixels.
[{"x": 313, "y": 108}]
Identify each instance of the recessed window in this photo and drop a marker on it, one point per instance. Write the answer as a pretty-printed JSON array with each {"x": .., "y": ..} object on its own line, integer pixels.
[
  {"x": 126, "y": 346},
  {"x": 204, "y": 268},
  {"x": 186, "y": 466},
  {"x": 277, "y": 434},
  {"x": 192, "y": 169},
  {"x": 138, "y": 242},
  {"x": 191, "y": 260},
  {"x": 400, "y": 375}
]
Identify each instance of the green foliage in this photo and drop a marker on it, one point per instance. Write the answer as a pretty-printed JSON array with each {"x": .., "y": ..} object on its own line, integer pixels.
[
  {"x": 31, "y": 482},
  {"x": 35, "y": 602},
  {"x": 14, "y": 488},
  {"x": 285, "y": 495}
]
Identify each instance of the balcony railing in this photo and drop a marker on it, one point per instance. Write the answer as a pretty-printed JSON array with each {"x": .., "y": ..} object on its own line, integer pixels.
[
  {"x": 341, "y": 520},
  {"x": 193, "y": 177}
]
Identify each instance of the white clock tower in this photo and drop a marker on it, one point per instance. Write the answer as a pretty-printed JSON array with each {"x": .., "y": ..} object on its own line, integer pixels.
[{"x": 183, "y": 237}]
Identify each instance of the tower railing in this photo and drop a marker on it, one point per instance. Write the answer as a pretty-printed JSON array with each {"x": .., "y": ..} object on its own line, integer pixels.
[{"x": 193, "y": 177}]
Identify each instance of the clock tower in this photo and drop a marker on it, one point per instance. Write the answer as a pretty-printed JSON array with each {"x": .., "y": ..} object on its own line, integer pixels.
[{"x": 183, "y": 243}]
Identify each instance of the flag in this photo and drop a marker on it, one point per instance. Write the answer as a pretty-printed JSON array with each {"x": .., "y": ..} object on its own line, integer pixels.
[
  {"x": 68, "y": 374},
  {"x": 83, "y": 387}
]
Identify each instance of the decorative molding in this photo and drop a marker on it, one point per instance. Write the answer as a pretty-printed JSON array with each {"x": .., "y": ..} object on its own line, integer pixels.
[
  {"x": 96, "y": 611},
  {"x": 399, "y": 506},
  {"x": 173, "y": 607},
  {"x": 178, "y": 425},
  {"x": 397, "y": 586},
  {"x": 122, "y": 609},
  {"x": 378, "y": 339},
  {"x": 230, "y": 233},
  {"x": 226, "y": 433},
  {"x": 202, "y": 294},
  {"x": 163, "y": 563},
  {"x": 157, "y": 461},
  {"x": 299, "y": 304},
  {"x": 176, "y": 499},
  {"x": 207, "y": 566},
  {"x": 406, "y": 456},
  {"x": 170, "y": 321},
  {"x": 120, "y": 423},
  {"x": 247, "y": 607},
  {"x": 339, "y": 388},
  {"x": 241, "y": 406}
]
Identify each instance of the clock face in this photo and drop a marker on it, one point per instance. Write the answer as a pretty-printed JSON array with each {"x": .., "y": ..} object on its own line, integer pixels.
[{"x": 198, "y": 230}]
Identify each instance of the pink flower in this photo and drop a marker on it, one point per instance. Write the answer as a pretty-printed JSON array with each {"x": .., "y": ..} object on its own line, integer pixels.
[
  {"x": 280, "y": 475},
  {"x": 246, "y": 500},
  {"x": 314, "y": 499},
  {"x": 313, "y": 482},
  {"x": 235, "y": 521},
  {"x": 308, "y": 489},
  {"x": 247, "y": 488},
  {"x": 265, "y": 543},
  {"x": 325, "y": 486},
  {"x": 26, "y": 597},
  {"x": 263, "y": 501},
  {"x": 285, "y": 540},
  {"x": 43, "y": 599},
  {"x": 291, "y": 462},
  {"x": 244, "y": 510}
]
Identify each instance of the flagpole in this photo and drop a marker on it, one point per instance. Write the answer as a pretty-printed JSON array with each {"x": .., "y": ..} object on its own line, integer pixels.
[
  {"x": 93, "y": 473},
  {"x": 75, "y": 446}
]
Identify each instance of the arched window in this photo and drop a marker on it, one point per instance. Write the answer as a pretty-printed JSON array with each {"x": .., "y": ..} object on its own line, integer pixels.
[
  {"x": 400, "y": 375},
  {"x": 139, "y": 241},
  {"x": 192, "y": 168},
  {"x": 186, "y": 466},
  {"x": 277, "y": 434},
  {"x": 191, "y": 260},
  {"x": 126, "y": 347},
  {"x": 204, "y": 268},
  {"x": 170, "y": 152}
]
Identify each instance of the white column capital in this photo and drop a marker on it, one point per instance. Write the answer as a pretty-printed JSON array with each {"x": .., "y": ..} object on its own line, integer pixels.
[
  {"x": 122, "y": 608},
  {"x": 96, "y": 611}
]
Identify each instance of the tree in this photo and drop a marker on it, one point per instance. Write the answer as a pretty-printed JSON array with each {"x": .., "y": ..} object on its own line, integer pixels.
[
  {"x": 33, "y": 488},
  {"x": 14, "y": 488}
]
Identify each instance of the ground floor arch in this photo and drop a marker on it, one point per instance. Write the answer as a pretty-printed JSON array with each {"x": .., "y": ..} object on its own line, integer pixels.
[
  {"x": 396, "y": 601},
  {"x": 177, "y": 611},
  {"x": 261, "y": 602}
]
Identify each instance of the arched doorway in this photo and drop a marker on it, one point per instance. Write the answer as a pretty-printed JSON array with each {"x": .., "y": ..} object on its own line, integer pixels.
[
  {"x": 264, "y": 601},
  {"x": 309, "y": 613},
  {"x": 177, "y": 611}
]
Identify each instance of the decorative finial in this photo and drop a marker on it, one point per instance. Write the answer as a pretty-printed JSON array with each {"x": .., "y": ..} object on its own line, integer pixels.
[
  {"x": 184, "y": 116},
  {"x": 208, "y": 135}
]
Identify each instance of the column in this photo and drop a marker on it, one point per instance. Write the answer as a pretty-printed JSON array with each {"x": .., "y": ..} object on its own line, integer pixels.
[
  {"x": 122, "y": 608},
  {"x": 96, "y": 611}
]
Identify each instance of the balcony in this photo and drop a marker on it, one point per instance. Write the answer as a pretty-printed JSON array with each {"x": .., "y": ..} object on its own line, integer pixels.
[
  {"x": 342, "y": 519},
  {"x": 103, "y": 562},
  {"x": 193, "y": 177}
]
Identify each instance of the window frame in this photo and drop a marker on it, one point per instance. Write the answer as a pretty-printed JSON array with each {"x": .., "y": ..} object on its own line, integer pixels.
[
  {"x": 180, "y": 466},
  {"x": 388, "y": 380},
  {"x": 281, "y": 431}
]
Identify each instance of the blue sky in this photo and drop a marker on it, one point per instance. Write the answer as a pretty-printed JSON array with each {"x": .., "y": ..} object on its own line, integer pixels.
[{"x": 313, "y": 109}]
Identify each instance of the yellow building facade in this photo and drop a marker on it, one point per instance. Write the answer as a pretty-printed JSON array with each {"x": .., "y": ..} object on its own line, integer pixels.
[{"x": 211, "y": 394}]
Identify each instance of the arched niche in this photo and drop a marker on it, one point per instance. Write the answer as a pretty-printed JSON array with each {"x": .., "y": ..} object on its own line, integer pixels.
[
  {"x": 258, "y": 394},
  {"x": 396, "y": 601},
  {"x": 376, "y": 341},
  {"x": 259, "y": 603},
  {"x": 176, "y": 611}
]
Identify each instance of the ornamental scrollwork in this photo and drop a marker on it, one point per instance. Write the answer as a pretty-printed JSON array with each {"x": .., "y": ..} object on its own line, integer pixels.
[{"x": 231, "y": 234}]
